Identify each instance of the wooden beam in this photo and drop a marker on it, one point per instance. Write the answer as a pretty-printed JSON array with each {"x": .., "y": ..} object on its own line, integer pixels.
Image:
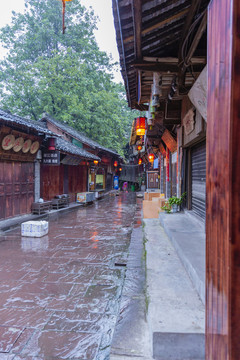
[
  {"x": 137, "y": 23},
  {"x": 196, "y": 39},
  {"x": 158, "y": 25},
  {"x": 163, "y": 67},
  {"x": 173, "y": 60},
  {"x": 195, "y": 42},
  {"x": 137, "y": 26},
  {"x": 191, "y": 13},
  {"x": 123, "y": 50}
]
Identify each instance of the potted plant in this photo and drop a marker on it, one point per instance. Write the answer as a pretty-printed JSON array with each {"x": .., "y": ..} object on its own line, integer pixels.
[
  {"x": 167, "y": 207},
  {"x": 175, "y": 202}
]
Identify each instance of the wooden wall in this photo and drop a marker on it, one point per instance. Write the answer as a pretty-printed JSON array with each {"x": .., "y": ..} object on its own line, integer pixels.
[
  {"x": 16, "y": 188},
  {"x": 223, "y": 182},
  {"x": 51, "y": 181},
  {"x": 77, "y": 177},
  {"x": 57, "y": 180}
]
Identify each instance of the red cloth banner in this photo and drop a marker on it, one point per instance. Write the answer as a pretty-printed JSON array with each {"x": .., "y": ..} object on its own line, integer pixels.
[{"x": 167, "y": 164}]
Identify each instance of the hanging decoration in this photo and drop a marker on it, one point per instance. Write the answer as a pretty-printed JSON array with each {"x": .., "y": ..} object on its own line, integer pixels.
[
  {"x": 63, "y": 15},
  {"x": 139, "y": 161},
  {"x": 51, "y": 144},
  {"x": 18, "y": 144},
  {"x": 8, "y": 142},
  {"x": 115, "y": 163},
  {"x": 139, "y": 147},
  {"x": 95, "y": 162},
  {"x": 140, "y": 126}
]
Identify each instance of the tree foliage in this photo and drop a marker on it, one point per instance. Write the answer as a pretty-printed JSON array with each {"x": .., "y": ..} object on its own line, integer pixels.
[{"x": 65, "y": 75}]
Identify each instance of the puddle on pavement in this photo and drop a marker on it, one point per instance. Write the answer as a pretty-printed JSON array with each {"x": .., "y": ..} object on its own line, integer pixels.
[{"x": 65, "y": 287}]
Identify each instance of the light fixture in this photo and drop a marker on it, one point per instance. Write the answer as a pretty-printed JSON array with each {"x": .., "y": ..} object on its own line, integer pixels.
[
  {"x": 51, "y": 144},
  {"x": 151, "y": 157},
  {"x": 140, "y": 126},
  {"x": 139, "y": 147},
  {"x": 120, "y": 169},
  {"x": 139, "y": 161},
  {"x": 115, "y": 163},
  {"x": 95, "y": 162}
]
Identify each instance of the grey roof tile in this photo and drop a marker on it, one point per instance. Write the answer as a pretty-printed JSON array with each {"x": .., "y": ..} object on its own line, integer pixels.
[
  {"x": 67, "y": 147},
  {"x": 77, "y": 135},
  {"x": 9, "y": 118}
]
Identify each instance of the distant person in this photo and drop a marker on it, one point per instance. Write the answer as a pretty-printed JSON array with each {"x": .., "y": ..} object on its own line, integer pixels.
[{"x": 125, "y": 186}]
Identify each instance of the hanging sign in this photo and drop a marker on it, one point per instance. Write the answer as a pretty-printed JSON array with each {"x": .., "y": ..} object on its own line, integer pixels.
[
  {"x": 189, "y": 122},
  {"x": 18, "y": 144},
  {"x": 169, "y": 141},
  {"x": 8, "y": 142},
  {"x": 51, "y": 158},
  {"x": 34, "y": 147},
  {"x": 26, "y": 146},
  {"x": 198, "y": 93},
  {"x": 162, "y": 149}
]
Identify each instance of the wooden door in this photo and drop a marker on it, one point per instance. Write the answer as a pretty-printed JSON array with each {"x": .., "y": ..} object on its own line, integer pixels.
[
  {"x": 16, "y": 188},
  {"x": 152, "y": 180}
]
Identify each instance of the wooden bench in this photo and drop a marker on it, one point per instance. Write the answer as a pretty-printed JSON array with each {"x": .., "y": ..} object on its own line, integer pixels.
[
  {"x": 41, "y": 207},
  {"x": 60, "y": 201}
]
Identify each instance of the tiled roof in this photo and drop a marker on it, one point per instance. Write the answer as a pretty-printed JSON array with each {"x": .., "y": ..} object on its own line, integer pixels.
[
  {"x": 9, "y": 118},
  {"x": 69, "y": 148},
  {"x": 77, "y": 135}
]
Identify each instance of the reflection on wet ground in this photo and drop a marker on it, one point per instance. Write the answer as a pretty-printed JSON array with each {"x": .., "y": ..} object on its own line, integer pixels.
[{"x": 60, "y": 293}]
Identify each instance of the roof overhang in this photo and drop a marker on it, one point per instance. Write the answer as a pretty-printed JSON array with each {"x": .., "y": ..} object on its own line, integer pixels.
[{"x": 168, "y": 37}]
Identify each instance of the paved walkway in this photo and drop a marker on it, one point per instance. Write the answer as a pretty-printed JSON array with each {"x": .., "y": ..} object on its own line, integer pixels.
[
  {"x": 60, "y": 293},
  {"x": 162, "y": 316}
]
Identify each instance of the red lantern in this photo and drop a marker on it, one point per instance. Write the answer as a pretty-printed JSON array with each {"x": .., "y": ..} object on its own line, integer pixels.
[
  {"x": 51, "y": 144},
  {"x": 120, "y": 169},
  {"x": 139, "y": 147},
  {"x": 95, "y": 162},
  {"x": 140, "y": 162},
  {"x": 151, "y": 157},
  {"x": 140, "y": 126},
  {"x": 115, "y": 164}
]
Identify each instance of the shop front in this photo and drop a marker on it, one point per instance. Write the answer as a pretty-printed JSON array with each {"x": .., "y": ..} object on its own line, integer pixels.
[{"x": 20, "y": 140}]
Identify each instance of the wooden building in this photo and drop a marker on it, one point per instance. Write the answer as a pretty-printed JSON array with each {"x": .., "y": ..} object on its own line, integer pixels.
[
  {"x": 64, "y": 169},
  {"x": 180, "y": 63},
  {"x": 20, "y": 140},
  {"x": 100, "y": 170}
]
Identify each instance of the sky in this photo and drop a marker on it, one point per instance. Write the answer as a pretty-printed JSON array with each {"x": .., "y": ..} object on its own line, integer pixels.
[{"x": 105, "y": 34}]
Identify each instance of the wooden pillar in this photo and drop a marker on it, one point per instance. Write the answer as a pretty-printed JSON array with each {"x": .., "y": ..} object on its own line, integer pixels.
[{"x": 223, "y": 182}]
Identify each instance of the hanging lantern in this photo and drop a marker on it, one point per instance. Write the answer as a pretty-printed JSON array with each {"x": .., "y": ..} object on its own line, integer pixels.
[
  {"x": 151, "y": 157},
  {"x": 139, "y": 147},
  {"x": 139, "y": 161},
  {"x": 120, "y": 169},
  {"x": 140, "y": 126},
  {"x": 51, "y": 144},
  {"x": 115, "y": 163},
  {"x": 95, "y": 162}
]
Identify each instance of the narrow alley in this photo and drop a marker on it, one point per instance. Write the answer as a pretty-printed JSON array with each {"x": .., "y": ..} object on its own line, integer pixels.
[{"x": 60, "y": 293}]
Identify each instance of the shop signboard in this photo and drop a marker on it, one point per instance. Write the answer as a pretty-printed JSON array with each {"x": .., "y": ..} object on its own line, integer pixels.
[
  {"x": 116, "y": 182},
  {"x": 51, "y": 158}
]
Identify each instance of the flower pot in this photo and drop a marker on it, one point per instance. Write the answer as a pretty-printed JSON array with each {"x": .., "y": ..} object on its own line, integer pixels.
[{"x": 174, "y": 208}]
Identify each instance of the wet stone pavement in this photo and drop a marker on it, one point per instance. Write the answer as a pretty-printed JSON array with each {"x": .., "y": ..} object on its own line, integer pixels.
[{"x": 60, "y": 293}]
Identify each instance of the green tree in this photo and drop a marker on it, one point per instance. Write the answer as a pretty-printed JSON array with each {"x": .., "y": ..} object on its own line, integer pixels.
[{"x": 65, "y": 75}]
